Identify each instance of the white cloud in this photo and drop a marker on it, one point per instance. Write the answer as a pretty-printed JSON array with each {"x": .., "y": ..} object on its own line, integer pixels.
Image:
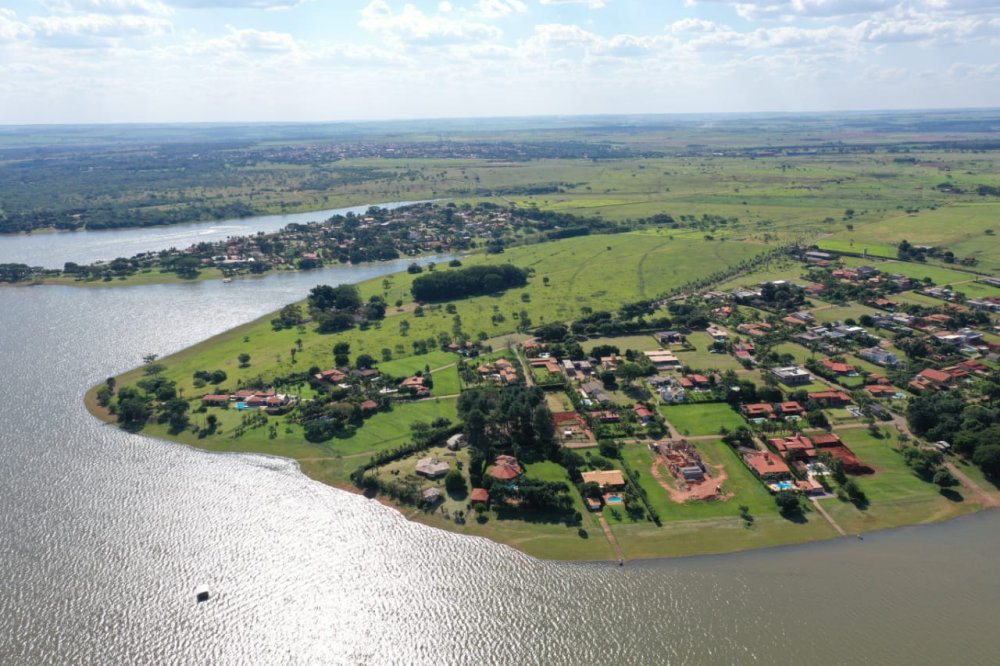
[
  {"x": 147, "y": 7},
  {"x": 73, "y": 30},
  {"x": 411, "y": 25},
  {"x": 493, "y": 9},
  {"x": 236, "y": 4},
  {"x": 593, "y": 4}
]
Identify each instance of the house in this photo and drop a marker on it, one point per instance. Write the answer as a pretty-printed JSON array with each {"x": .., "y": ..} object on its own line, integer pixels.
[
  {"x": 792, "y": 375},
  {"x": 333, "y": 375},
  {"x": 643, "y": 413},
  {"x": 479, "y": 495},
  {"x": 663, "y": 359},
  {"x": 595, "y": 392},
  {"x": 366, "y": 374},
  {"x": 879, "y": 356},
  {"x": 369, "y": 406},
  {"x": 796, "y": 447},
  {"x": 766, "y": 464},
  {"x": 455, "y": 442},
  {"x": 932, "y": 379},
  {"x": 606, "y": 416},
  {"x": 668, "y": 337},
  {"x": 432, "y": 468},
  {"x": 432, "y": 495},
  {"x": 831, "y": 398},
  {"x": 569, "y": 368},
  {"x": 881, "y": 391},
  {"x": 791, "y": 408},
  {"x": 215, "y": 400},
  {"x": 832, "y": 444},
  {"x": 611, "y": 479},
  {"x": 837, "y": 367},
  {"x": 695, "y": 382},
  {"x": 718, "y": 333},
  {"x": 760, "y": 410},
  {"x": 506, "y": 468},
  {"x": 415, "y": 385}
]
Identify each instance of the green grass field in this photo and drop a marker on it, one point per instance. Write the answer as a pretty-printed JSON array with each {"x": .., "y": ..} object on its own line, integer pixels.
[{"x": 702, "y": 419}]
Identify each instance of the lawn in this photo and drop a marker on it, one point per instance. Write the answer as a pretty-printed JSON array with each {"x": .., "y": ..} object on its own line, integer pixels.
[
  {"x": 702, "y": 419},
  {"x": 635, "y": 342},
  {"x": 897, "y": 496}
]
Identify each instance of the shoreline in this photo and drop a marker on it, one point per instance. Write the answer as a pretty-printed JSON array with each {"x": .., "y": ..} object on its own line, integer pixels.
[{"x": 416, "y": 515}]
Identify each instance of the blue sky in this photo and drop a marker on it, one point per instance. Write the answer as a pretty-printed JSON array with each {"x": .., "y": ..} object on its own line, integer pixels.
[{"x": 64, "y": 61}]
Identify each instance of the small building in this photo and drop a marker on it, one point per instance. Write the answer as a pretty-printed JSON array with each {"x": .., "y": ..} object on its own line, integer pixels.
[
  {"x": 455, "y": 442},
  {"x": 432, "y": 495},
  {"x": 432, "y": 468},
  {"x": 215, "y": 400},
  {"x": 505, "y": 468},
  {"x": 479, "y": 495},
  {"x": 643, "y": 413}
]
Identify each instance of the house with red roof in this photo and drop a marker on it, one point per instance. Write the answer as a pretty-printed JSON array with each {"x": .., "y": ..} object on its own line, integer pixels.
[
  {"x": 837, "y": 367},
  {"x": 766, "y": 465},
  {"x": 796, "y": 447},
  {"x": 760, "y": 410},
  {"x": 831, "y": 398},
  {"x": 505, "y": 468},
  {"x": 932, "y": 379}
]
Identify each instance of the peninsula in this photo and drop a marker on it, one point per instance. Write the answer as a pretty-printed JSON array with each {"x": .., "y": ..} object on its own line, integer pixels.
[{"x": 654, "y": 392}]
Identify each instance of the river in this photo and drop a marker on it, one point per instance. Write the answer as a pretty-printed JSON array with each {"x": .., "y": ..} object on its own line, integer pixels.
[
  {"x": 104, "y": 535},
  {"x": 52, "y": 250}
]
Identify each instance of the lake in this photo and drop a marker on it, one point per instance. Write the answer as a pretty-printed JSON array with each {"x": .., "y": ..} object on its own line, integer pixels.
[
  {"x": 104, "y": 536},
  {"x": 52, "y": 250}
]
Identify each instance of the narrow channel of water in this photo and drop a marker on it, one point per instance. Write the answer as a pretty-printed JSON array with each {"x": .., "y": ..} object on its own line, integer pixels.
[{"x": 104, "y": 535}]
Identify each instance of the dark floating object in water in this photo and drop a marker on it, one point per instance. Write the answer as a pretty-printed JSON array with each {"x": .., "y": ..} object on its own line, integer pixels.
[{"x": 201, "y": 593}]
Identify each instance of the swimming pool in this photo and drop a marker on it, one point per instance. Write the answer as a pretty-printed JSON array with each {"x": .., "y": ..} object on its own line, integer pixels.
[
  {"x": 240, "y": 406},
  {"x": 783, "y": 485},
  {"x": 614, "y": 499}
]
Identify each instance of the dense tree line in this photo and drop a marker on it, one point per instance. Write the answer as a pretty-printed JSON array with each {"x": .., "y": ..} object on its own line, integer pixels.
[{"x": 464, "y": 282}]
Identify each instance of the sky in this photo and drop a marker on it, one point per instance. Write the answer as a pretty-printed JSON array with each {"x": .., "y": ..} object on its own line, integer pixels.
[{"x": 100, "y": 61}]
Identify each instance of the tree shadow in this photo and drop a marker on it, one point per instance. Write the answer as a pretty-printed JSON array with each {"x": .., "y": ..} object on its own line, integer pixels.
[
  {"x": 952, "y": 495},
  {"x": 797, "y": 517}
]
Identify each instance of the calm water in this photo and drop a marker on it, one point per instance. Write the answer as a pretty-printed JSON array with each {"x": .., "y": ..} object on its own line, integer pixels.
[
  {"x": 52, "y": 250},
  {"x": 103, "y": 535}
]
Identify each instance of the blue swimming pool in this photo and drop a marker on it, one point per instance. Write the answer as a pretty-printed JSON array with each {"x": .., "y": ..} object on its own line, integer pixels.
[
  {"x": 783, "y": 485},
  {"x": 614, "y": 499},
  {"x": 241, "y": 406}
]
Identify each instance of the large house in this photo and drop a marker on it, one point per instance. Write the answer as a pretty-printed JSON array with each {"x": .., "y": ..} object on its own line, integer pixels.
[
  {"x": 792, "y": 375},
  {"x": 766, "y": 465},
  {"x": 611, "y": 479},
  {"x": 831, "y": 398},
  {"x": 879, "y": 356},
  {"x": 663, "y": 359}
]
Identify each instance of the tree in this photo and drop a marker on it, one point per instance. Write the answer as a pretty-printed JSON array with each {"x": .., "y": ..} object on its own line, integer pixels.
[
  {"x": 987, "y": 457},
  {"x": 364, "y": 361},
  {"x": 455, "y": 483},
  {"x": 244, "y": 360},
  {"x": 788, "y": 504},
  {"x": 945, "y": 479}
]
